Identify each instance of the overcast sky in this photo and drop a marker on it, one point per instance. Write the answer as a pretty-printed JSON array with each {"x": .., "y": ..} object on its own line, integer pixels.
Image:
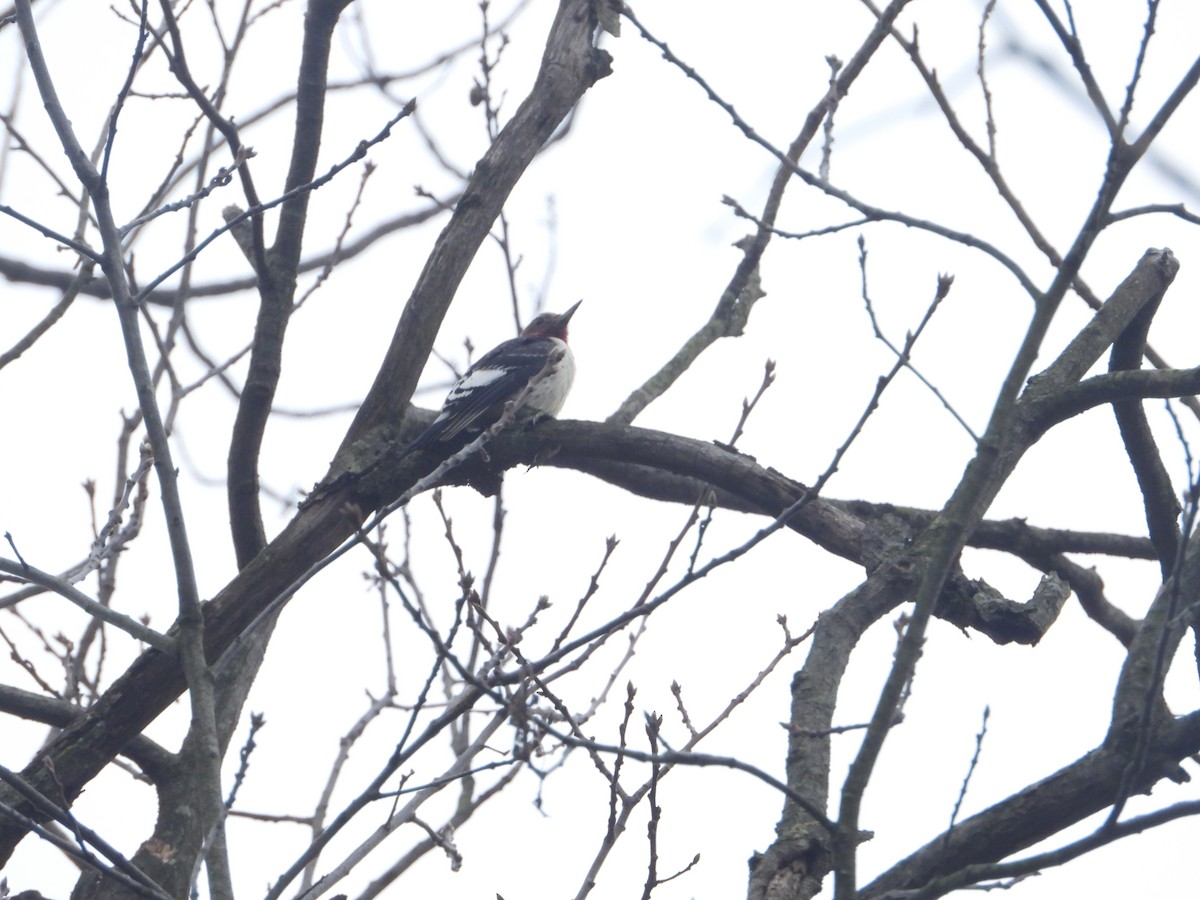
[{"x": 626, "y": 214}]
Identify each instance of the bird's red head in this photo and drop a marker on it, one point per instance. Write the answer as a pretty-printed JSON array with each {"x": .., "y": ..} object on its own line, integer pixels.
[{"x": 550, "y": 324}]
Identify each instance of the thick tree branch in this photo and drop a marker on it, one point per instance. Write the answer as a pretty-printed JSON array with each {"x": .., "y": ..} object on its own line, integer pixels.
[
  {"x": 1144, "y": 286},
  {"x": 570, "y": 65},
  {"x": 1115, "y": 387},
  {"x": 1158, "y": 495},
  {"x": 277, "y": 285},
  {"x": 151, "y": 758},
  {"x": 190, "y": 627},
  {"x": 333, "y": 514},
  {"x": 1036, "y": 812},
  {"x": 935, "y": 552}
]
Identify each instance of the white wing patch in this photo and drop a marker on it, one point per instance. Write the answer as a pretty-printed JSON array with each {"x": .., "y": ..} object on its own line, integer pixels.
[
  {"x": 469, "y": 383},
  {"x": 478, "y": 398}
]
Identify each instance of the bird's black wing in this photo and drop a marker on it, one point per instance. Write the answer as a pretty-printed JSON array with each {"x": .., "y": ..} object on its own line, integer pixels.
[{"x": 478, "y": 398}]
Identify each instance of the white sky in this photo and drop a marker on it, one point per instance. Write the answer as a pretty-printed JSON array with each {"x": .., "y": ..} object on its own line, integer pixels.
[{"x": 641, "y": 235}]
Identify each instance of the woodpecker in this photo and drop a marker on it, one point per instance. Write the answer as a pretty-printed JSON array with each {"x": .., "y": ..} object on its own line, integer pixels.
[{"x": 477, "y": 399}]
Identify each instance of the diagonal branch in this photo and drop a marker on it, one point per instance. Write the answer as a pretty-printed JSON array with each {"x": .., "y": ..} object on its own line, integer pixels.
[
  {"x": 1030, "y": 815},
  {"x": 935, "y": 552},
  {"x": 130, "y": 626},
  {"x": 733, "y": 307},
  {"x": 570, "y": 66},
  {"x": 191, "y": 626}
]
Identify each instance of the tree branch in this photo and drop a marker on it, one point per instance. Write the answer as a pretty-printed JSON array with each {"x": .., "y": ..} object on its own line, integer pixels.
[{"x": 570, "y": 65}]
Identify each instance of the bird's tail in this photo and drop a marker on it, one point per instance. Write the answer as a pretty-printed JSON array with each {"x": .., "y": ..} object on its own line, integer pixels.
[{"x": 430, "y": 435}]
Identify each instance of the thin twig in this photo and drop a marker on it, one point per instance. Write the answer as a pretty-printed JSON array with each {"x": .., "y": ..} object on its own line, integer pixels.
[
  {"x": 149, "y": 636},
  {"x": 962, "y": 791},
  {"x": 862, "y": 264}
]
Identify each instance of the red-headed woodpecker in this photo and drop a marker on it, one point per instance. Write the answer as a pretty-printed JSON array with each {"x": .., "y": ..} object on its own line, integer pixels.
[{"x": 477, "y": 399}]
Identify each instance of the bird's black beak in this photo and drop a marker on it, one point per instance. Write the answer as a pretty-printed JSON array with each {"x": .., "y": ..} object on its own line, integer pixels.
[{"x": 566, "y": 317}]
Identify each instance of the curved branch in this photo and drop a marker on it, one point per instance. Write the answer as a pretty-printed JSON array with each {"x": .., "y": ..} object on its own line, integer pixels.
[
  {"x": 1089, "y": 588},
  {"x": 277, "y": 284},
  {"x": 1114, "y": 387},
  {"x": 1034, "y": 813},
  {"x": 334, "y": 512},
  {"x": 1158, "y": 495}
]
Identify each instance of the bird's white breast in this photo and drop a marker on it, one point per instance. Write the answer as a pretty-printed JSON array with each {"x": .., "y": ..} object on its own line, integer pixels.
[{"x": 548, "y": 395}]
